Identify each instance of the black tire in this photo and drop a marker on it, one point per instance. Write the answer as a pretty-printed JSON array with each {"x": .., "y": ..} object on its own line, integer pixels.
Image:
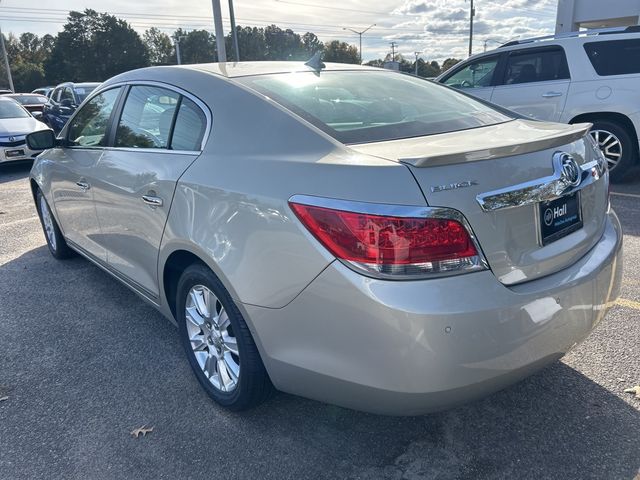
[
  {"x": 60, "y": 250},
  {"x": 629, "y": 157},
  {"x": 253, "y": 386}
]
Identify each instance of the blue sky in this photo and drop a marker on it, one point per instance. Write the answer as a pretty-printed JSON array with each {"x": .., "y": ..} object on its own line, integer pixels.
[{"x": 436, "y": 28}]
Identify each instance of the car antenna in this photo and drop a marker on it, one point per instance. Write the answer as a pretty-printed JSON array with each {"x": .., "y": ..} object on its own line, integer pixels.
[{"x": 316, "y": 62}]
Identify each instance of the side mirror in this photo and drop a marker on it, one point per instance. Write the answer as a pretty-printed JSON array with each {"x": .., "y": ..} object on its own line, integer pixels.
[
  {"x": 37, "y": 115},
  {"x": 41, "y": 140}
]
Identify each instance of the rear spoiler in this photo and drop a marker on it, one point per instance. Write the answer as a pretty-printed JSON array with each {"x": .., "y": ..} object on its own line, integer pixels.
[{"x": 517, "y": 137}]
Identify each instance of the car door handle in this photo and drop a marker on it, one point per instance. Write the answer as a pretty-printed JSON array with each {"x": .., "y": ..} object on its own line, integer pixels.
[
  {"x": 552, "y": 94},
  {"x": 152, "y": 201},
  {"x": 84, "y": 186}
]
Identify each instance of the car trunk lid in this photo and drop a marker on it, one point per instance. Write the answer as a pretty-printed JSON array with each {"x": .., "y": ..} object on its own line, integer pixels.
[{"x": 498, "y": 177}]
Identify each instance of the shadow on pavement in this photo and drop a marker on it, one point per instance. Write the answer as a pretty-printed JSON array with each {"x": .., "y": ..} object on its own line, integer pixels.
[
  {"x": 15, "y": 171},
  {"x": 84, "y": 362}
]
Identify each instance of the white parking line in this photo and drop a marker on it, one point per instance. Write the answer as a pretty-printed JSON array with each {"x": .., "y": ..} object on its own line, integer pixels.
[{"x": 620, "y": 194}]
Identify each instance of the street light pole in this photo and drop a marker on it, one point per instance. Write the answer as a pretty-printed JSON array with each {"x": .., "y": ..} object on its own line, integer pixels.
[
  {"x": 417, "y": 56},
  {"x": 472, "y": 13},
  {"x": 234, "y": 34},
  {"x": 360, "y": 35},
  {"x": 217, "y": 21}
]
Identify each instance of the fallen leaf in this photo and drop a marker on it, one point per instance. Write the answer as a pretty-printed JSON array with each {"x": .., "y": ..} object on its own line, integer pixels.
[
  {"x": 143, "y": 430},
  {"x": 635, "y": 390},
  {"x": 2, "y": 399}
]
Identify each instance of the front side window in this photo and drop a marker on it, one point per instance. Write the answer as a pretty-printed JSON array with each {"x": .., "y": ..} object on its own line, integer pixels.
[
  {"x": 89, "y": 127},
  {"x": 373, "y": 106},
  {"x": 477, "y": 74},
  {"x": 537, "y": 66},
  {"x": 614, "y": 57},
  {"x": 147, "y": 117},
  {"x": 55, "y": 96}
]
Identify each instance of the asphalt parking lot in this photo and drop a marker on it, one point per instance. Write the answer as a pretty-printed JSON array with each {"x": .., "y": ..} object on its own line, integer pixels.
[{"x": 83, "y": 362}]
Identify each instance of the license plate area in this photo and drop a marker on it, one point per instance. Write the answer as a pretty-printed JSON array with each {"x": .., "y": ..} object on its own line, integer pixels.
[
  {"x": 14, "y": 153},
  {"x": 558, "y": 218}
]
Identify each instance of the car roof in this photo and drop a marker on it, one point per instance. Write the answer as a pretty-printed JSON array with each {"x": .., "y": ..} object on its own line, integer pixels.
[
  {"x": 237, "y": 69},
  {"x": 79, "y": 84}
]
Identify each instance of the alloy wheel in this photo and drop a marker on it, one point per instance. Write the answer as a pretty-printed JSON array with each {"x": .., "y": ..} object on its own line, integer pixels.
[
  {"x": 47, "y": 221},
  {"x": 212, "y": 339},
  {"x": 610, "y": 145}
]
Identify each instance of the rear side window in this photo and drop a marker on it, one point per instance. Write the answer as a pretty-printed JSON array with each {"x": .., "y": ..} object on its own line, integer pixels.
[
  {"x": 614, "y": 57},
  {"x": 147, "y": 117},
  {"x": 536, "y": 66},
  {"x": 189, "y": 128}
]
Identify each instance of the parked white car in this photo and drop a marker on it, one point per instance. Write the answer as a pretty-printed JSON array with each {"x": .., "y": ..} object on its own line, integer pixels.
[
  {"x": 580, "y": 77},
  {"x": 15, "y": 123}
]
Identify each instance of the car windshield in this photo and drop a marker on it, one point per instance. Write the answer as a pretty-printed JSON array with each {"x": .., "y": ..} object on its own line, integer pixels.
[
  {"x": 30, "y": 99},
  {"x": 83, "y": 92},
  {"x": 10, "y": 109},
  {"x": 371, "y": 106}
]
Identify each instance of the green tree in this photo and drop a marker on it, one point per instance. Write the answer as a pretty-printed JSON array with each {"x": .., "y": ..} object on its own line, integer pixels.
[
  {"x": 448, "y": 63},
  {"x": 27, "y": 54},
  {"x": 340, "y": 52},
  {"x": 197, "y": 46},
  {"x": 159, "y": 47},
  {"x": 93, "y": 47}
]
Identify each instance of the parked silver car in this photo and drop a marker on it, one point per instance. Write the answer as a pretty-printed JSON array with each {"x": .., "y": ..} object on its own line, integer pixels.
[
  {"x": 15, "y": 123},
  {"x": 344, "y": 233}
]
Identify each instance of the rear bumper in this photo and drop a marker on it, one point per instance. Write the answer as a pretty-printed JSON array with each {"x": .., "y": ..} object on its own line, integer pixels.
[{"x": 407, "y": 348}]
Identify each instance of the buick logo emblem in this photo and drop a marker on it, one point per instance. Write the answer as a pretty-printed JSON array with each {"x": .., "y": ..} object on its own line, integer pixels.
[
  {"x": 571, "y": 172},
  {"x": 548, "y": 217}
]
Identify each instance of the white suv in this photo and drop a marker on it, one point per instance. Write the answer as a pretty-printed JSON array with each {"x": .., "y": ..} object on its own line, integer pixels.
[{"x": 591, "y": 76}]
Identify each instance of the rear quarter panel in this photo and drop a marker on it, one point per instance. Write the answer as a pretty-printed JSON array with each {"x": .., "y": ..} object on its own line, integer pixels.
[{"x": 231, "y": 206}]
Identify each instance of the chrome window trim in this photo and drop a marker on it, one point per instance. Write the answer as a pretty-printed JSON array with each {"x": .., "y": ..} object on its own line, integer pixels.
[
  {"x": 543, "y": 189},
  {"x": 403, "y": 211},
  {"x": 203, "y": 106}
]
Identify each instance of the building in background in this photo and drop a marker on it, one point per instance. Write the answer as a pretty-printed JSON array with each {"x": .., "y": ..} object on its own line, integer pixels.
[{"x": 576, "y": 14}]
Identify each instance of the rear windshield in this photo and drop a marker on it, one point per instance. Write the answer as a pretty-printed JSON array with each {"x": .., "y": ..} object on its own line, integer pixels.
[
  {"x": 370, "y": 106},
  {"x": 10, "y": 109},
  {"x": 30, "y": 99},
  {"x": 614, "y": 57}
]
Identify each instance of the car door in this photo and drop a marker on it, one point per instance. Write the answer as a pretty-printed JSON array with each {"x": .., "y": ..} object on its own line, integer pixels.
[
  {"x": 534, "y": 83},
  {"x": 72, "y": 172},
  {"x": 51, "y": 108},
  {"x": 159, "y": 133},
  {"x": 475, "y": 77}
]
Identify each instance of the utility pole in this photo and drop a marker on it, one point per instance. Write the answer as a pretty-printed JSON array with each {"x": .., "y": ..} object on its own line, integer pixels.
[
  {"x": 217, "y": 21},
  {"x": 176, "y": 42},
  {"x": 417, "y": 56},
  {"x": 472, "y": 13},
  {"x": 393, "y": 51},
  {"x": 6, "y": 61},
  {"x": 234, "y": 34},
  {"x": 360, "y": 35}
]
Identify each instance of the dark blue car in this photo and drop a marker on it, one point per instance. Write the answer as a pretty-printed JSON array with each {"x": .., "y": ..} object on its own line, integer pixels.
[{"x": 63, "y": 101}]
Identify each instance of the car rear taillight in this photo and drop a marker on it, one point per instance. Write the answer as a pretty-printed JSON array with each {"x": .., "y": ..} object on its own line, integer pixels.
[{"x": 390, "y": 240}]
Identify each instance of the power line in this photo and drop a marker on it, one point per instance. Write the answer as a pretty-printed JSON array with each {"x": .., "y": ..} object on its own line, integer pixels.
[{"x": 315, "y": 5}]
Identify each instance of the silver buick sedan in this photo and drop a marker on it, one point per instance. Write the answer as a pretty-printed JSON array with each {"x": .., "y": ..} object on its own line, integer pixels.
[{"x": 348, "y": 234}]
